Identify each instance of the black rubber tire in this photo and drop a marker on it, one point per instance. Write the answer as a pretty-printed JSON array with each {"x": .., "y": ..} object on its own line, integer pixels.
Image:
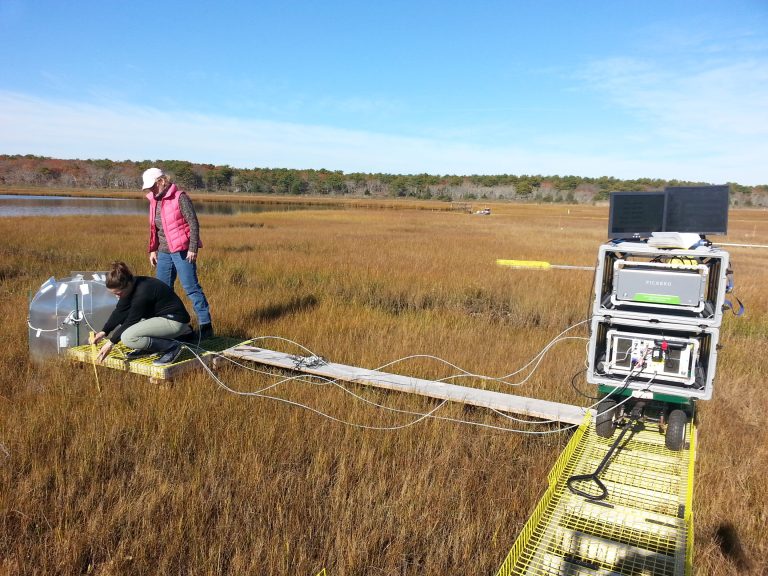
[
  {"x": 675, "y": 436},
  {"x": 605, "y": 423}
]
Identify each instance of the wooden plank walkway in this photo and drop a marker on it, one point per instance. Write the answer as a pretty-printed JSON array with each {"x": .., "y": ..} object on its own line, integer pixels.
[{"x": 509, "y": 403}]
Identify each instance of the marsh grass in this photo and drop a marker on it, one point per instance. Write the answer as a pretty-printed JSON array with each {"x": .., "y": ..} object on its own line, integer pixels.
[{"x": 195, "y": 480}]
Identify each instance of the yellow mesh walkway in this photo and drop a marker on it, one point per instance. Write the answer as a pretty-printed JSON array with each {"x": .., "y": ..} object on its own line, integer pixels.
[
  {"x": 643, "y": 528},
  {"x": 186, "y": 361}
]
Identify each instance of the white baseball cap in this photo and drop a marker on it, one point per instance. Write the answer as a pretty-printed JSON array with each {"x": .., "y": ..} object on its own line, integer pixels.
[{"x": 150, "y": 176}]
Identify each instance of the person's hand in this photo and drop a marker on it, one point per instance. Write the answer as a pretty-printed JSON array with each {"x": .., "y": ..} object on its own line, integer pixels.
[
  {"x": 191, "y": 256},
  {"x": 153, "y": 258},
  {"x": 104, "y": 352},
  {"x": 96, "y": 337}
]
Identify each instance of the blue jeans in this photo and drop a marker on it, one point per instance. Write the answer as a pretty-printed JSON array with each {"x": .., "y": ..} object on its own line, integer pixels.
[{"x": 171, "y": 265}]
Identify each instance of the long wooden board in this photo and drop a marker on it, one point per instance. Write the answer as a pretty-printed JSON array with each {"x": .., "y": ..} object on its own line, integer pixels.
[{"x": 509, "y": 403}]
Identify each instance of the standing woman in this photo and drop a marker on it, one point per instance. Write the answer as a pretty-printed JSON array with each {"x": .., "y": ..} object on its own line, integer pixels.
[{"x": 174, "y": 239}]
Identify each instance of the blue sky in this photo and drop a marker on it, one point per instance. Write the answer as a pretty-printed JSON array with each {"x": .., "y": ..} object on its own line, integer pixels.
[{"x": 656, "y": 89}]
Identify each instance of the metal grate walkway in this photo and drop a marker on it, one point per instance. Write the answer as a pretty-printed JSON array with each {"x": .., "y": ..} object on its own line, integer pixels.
[
  {"x": 185, "y": 362},
  {"x": 643, "y": 528}
]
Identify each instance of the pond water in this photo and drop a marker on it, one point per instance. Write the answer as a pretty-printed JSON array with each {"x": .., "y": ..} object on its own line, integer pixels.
[{"x": 31, "y": 205}]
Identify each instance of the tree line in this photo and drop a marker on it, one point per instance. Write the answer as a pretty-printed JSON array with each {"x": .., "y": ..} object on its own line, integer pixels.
[{"x": 40, "y": 171}]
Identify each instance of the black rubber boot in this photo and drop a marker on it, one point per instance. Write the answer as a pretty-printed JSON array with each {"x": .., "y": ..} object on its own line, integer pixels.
[
  {"x": 188, "y": 336},
  {"x": 170, "y": 356},
  {"x": 169, "y": 350},
  {"x": 138, "y": 353},
  {"x": 155, "y": 346},
  {"x": 206, "y": 331}
]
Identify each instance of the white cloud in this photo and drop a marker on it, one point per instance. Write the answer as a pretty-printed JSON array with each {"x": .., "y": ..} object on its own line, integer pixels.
[
  {"x": 711, "y": 112},
  {"x": 725, "y": 99},
  {"x": 119, "y": 131}
]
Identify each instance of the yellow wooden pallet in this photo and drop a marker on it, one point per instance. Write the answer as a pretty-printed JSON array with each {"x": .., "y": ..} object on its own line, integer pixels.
[
  {"x": 643, "y": 528},
  {"x": 208, "y": 351}
]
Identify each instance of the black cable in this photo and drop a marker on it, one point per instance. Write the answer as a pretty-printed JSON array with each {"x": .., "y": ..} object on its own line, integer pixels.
[
  {"x": 629, "y": 376},
  {"x": 618, "y": 391},
  {"x": 573, "y": 385}
]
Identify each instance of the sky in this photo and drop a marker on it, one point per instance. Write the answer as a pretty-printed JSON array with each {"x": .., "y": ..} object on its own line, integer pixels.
[{"x": 629, "y": 89}]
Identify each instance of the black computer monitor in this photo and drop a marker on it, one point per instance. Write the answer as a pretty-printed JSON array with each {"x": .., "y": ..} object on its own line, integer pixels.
[
  {"x": 636, "y": 214},
  {"x": 699, "y": 209}
]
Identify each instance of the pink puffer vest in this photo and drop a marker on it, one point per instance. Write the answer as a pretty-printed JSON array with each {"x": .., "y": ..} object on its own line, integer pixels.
[{"x": 175, "y": 226}]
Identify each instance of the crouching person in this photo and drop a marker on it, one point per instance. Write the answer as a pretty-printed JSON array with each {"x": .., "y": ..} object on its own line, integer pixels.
[{"x": 148, "y": 318}]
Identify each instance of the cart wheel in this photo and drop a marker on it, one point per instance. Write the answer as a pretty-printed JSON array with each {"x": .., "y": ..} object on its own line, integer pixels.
[
  {"x": 605, "y": 421},
  {"x": 675, "y": 437}
]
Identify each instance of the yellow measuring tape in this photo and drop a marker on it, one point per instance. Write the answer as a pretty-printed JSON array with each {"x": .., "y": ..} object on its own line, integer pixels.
[{"x": 94, "y": 354}]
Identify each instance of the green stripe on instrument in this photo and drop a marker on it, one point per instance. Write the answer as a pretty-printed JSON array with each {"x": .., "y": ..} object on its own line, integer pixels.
[{"x": 656, "y": 298}]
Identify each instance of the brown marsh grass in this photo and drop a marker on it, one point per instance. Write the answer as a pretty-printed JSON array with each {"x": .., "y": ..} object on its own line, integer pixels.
[{"x": 195, "y": 480}]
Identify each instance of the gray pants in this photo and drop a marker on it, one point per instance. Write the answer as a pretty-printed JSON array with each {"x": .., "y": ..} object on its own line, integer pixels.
[{"x": 138, "y": 335}]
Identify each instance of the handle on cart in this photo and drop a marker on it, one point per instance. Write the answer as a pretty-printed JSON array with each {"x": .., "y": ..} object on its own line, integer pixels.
[
  {"x": 588, "y": 477},
  {"x": 630, "y": 425}
]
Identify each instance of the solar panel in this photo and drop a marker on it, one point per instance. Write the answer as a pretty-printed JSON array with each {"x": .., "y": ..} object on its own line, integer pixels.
[
  {"x": 694, "y": 209},
  {"x": 636, "y": 214},
  {"x": 699, "y": 209}
]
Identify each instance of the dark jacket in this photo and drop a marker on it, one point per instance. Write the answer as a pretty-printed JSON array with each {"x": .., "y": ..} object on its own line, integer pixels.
[{"x": 149, "y": 298}]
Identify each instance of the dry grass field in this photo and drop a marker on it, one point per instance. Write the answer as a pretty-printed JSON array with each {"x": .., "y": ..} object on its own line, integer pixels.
[{"x": 193, "y": 479}]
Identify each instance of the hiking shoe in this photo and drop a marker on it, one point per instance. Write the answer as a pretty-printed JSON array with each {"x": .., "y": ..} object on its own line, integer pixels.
[
  {"x": 206, "y": 331},
  {"x": 169, "y": 357}
]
